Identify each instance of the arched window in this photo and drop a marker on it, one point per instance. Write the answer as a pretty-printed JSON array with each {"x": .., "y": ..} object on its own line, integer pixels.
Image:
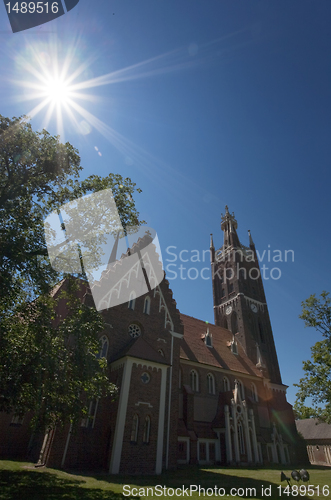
[
  {"x": 254, "y": 395},
  {"x": 241, "y": 438},
  {"x": 211, "y": 383},
  {"x": 226, "y": 384},
  {"x": 104, "y": 343},
  {"x": 147, "y": 428},
  {"x": 194, "y": 379},
  {"x": 134, "y": 428},
  {"x": 241, "y": 389},
  {"x": 147, "y": 305},
  {"x": 225, "y": 323},
  {"x": 234, "y": 322},
  {"x": 132, "y": 300},
  {"x": 261, "y": 333},
  {"x": 208, "y": 339},
  {"x": 234, "y": 347}
]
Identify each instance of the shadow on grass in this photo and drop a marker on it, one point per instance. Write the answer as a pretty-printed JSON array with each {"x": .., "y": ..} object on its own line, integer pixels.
[
  {"x": 259, "y": 487},
  {"x": 47, "y": 485},
  {"x": 33, "y": 485}
]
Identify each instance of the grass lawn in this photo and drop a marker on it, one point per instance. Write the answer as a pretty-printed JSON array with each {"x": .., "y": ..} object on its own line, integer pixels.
[{"x": 23, "y": 481}]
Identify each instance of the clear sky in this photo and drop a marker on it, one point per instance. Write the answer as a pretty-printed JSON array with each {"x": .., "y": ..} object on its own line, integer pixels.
[{"x": 202, "y": 104}]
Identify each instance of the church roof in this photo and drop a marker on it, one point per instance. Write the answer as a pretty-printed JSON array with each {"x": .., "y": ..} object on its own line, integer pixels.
[
  {"x": 139, "y": 348},
  {"x": 193, "y": 347}
]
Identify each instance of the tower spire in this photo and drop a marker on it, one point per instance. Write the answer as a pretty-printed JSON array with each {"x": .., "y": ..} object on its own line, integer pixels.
[
  {"x": 251, "y": 242},
  {"x": 239, "y": 299},
  {"x": 229, "y": 226},
  {"x": 212, "y": 249}
]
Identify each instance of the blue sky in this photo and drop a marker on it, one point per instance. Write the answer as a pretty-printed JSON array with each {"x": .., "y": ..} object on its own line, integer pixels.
[{"x": 203, "y": 104}]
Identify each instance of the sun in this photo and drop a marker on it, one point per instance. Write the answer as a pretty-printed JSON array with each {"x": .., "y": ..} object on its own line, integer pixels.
[
  {"x": 57, "y": 90},
  {"x": 61, "y": 87}
]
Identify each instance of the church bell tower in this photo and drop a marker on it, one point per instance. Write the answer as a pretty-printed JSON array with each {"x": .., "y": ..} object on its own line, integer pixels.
[{"x": 239, "y": 299}]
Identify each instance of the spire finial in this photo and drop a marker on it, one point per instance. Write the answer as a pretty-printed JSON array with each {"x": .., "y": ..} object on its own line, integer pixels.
[
  {"x": 251, "y": 242},
  {"x": 227, "y": 217},
  {"x": 211, "y": 241}
]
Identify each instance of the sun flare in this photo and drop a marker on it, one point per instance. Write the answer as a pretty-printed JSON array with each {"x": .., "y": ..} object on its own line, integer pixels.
[
  {"x": 57, "y": 90},
  {"x": 63, "y": 87}
]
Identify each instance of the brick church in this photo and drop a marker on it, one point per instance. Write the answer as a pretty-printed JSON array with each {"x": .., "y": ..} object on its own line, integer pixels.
[{"x": 189, "y": 392}]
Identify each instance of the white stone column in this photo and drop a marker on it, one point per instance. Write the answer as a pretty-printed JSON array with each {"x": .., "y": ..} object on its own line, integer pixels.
[
  {"x": 160, "y": 431},
  {"x": 228, "y": 443},
  {"x": 255, "y": 448},
  {"x": 246, "y": 427},
  {"x": 115, "y": 460},
  {"x": 218, "y": 452},
  {"x": 235, "y": 433}
]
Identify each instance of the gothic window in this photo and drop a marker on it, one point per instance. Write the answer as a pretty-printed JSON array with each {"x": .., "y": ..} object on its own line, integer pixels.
[
  {"x": 134, "y": 428},
  {"x": 254, "y": 392},
  {"x": 241, "y": 389},
  {"x": 132, "y": 300},
  {"x": 147, "y": 305},
  {"x": 211, "y": 383},
  {"x": 134, "y": 330},
  {"x": 147, "y": 428},
  {"x": 194, "y": 379},
  {"x": 234, "y": 322},
  {"x": 223, "y": 293},
  {"x": 242, "y": 274},
  {"x": 261, "y": 333},
  {"x": 234, "y": 347},
  {"x": 230, "y": 288},
  {"x": 103, "y": 350},
  {"x": 226, "y": 384},
  {"x": 225, "y": 323},
  {"x": 208, "y": 339},
  {"x": 241, "y": 438},
  {"x": 89, "y": 420}
]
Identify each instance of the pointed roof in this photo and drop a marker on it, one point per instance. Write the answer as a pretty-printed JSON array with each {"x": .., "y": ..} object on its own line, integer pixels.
[
  {"x": 193, "y": 347},
  {"x": 229, "y": 225},
  {"x": 251, "y": 242},
  {"x": 139, "y": 348}
]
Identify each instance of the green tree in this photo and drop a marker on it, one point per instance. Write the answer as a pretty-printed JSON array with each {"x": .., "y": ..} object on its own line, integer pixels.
[
  {"x": 46, "y": 365},
  {"x": 316, "y": 384}
]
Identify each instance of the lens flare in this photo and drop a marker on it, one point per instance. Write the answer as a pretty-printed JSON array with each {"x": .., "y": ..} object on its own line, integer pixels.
[{"x": 57, "y": 90}]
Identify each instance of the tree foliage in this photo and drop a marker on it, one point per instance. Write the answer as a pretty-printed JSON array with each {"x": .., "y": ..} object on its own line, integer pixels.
[
  {"x": 46, "y": 366},
  {"x": 316, "y": 384}
]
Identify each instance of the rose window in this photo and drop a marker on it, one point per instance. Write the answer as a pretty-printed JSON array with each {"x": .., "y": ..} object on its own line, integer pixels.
[{"x": 134, "y": 330}]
